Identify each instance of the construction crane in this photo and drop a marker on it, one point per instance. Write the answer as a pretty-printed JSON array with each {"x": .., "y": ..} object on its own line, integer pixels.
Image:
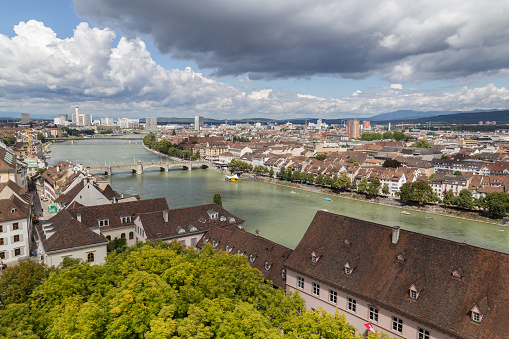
[{"x": 30, "y": 142}]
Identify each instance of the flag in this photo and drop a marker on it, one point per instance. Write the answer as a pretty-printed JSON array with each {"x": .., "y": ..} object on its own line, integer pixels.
[{"x": 370, "y": 327}]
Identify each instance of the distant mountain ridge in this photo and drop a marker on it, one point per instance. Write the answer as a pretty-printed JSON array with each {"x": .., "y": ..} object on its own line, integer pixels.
[{"x": 408, "y": 114}]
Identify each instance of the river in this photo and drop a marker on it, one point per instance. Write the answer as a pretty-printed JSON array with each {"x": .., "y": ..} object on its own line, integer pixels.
[{"x": 279, "y": 213}]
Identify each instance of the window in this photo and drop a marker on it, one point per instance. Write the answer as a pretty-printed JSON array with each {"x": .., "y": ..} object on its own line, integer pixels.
[
  {"x": 347, "y": 270},
  {"x": 300, "y": 282},
  {"x": 17, "y": 251},
  {"x": 476, "y": 317},
  {"x": 1, "y": 228},
  {"x": 252, "y": 258},
  {"x": 104, "y": 222},
  {"x": 333, "y": 296},
  {"x": 352, "y": 305},
  {"x": 90, "y": 257},
  {"x": 423, "y": 334},
  {"x": 16, "y": 238},
  {"x": 413, "y": 294},
  {"x": 2, "y": 241},
  {"x": 267, "y": 265},
  {"x": 108, "y": 237},
  {"x": 316, "y": 289},
  {"x": 193, "y": 242},
  {"x": 122, "y": 235},
  {"x": 373, "y": 314},
  {"x": 283, "y": 274},
  {"x": 2, "y": 255},
  {"x": 131, "y": 235},
  {"x": 15, "y": 226},
  {"x": 397, "y": 324}
]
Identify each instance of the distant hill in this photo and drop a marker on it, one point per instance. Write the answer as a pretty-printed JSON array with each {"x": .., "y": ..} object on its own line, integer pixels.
[
  {"x": 408, "y": 114},
  {"x": 501, "y": 117}
]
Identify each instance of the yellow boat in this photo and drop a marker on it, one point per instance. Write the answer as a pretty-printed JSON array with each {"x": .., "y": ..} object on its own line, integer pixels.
[
  {"x": 232, "y": 178},
  {"x": 405, "y": 213}
]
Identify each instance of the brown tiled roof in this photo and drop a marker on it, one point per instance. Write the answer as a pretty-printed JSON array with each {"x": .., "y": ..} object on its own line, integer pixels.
[
  {"x": 90, "y": 215},
  {"x": 268, "y": 256},
  {"x": 444, "y": 302},
  {"x": 186, "y": 218},
  {"x": 13, "y": 209},
  {"x": 8, "y": 160},
  {"x": 69, "y": 235}
]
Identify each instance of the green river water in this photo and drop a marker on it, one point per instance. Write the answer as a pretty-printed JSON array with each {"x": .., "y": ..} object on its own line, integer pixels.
[{"x": 281, "y": 214}]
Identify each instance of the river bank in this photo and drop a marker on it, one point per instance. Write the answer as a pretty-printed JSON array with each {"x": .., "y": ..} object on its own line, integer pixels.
[{"x": 428, "y": 209}]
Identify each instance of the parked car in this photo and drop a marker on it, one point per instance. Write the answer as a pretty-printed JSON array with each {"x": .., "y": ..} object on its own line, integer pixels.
[{"x": 44, "y": 199}]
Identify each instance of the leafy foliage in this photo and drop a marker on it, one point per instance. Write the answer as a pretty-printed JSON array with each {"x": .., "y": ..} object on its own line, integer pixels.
[
  {"x": 166, "y": 147},
  {"x": 217, "y": 199},
  {"x": 417, "y": 192},
  {"x": 392, "y": 163},
  {"x": 161, "y": 290},
  {"x": 496, "y": 203},
  {"x": 321, "y": 156},
  {"x": 423, "y": 144}
]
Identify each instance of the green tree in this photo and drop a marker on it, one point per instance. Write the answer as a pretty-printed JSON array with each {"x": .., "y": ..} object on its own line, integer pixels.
[
  {"x": 449, "y": 198},
  {"x": 41, "y": 137},
  {"x": 271, "y": 172},
  {"x": 392, "y": 163},
  {"x": 353, "y": 161},
  {"x": 40, "y": 170},
  {"x": 385, "y": 189},
  {"x": 373, "y": 187},
  {"x": 321, "y": 156},
  {"x": 18, "y": 282},
  {"x": 366, "y": 136},
  {"x": 343, "y": 182},
  {"x": 417, "y": 192},
  {"x": 422, "y": 144},
  {"x": 217, "y": 199},
  {"x": 362, "y": 186},
  {"x": 497, "y": 204},
  {"x": 387, "y": 135},
  {"x": 398, "y": 135},
  {"x": 457, "y": 173},
  {"x": 465, "y": 199}
]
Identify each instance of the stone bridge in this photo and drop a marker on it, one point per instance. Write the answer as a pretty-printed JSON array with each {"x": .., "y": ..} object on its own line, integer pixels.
[{"x": 140, "y": 166}]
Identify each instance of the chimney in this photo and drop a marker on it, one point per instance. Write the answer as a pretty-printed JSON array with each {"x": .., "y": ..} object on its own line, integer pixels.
[
  {"x": 165, "y": 216},
  {"x": 79, "y": 217},
  {"x": 395, "y": 234}
]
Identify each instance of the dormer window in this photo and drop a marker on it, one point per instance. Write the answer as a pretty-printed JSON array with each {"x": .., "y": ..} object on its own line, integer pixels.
[
  {"x": 414, "y": 292},
  {"x": 192, "y": 228},
  {"x": 205, "y": 239},
  {"x": 180, "y": 230},
  {"x": 267, "y": 265},
  {"x": 314, "y": 257},
  {"x": 252, "y": 258},
  {"x": 104, "y": 222},
  {"x": 348, "y": 271},
  {"x": 215, "y": 243},
  {"x": 125, "y": 219},
  {"x": 476, "y": 317},
  {"x": 283, "y": 274},
  {"x": 239, "y": 252},
  {"x": 228, "y": 249},
  {"x": 213, "y": 214},
  {"x": 400, "y": 257},
  {"x": 13, "y": 210},
  {"x": 475, "y": 312}
]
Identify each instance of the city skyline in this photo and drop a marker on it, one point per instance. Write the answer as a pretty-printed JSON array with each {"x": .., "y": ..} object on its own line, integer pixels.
[{"x": 293, "y": 60}]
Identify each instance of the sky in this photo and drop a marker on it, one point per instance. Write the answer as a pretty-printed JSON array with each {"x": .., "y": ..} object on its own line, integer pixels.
[{"x": 239, "y": 59}]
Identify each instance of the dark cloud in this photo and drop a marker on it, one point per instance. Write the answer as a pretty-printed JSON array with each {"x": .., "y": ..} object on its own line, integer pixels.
[{"x": 405, "y": 40}]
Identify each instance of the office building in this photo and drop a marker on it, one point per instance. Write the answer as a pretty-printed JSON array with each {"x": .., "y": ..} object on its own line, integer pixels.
[
  {"x": 198, "y": 123},
  {"x": 151, "y": 124},
  {"x": 353, "y": 129}
]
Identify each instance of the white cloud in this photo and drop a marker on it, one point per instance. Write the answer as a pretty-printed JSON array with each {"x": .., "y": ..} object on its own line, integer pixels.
[{"x": 40, "y": 73}]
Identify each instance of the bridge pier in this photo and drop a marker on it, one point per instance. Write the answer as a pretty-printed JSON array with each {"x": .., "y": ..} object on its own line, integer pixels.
[{"x": 139, "y": 168}]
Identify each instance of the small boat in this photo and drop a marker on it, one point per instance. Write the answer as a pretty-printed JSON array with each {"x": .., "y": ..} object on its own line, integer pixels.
[
  {"x": 48, "y": 150},
  {"x": 234, "y": 177},
  {"x": 293, "y": 192},
  {"x": 405, "y": 213},
  {"x": 328, "y": 199},
  {"x": 428, "y": 217}
]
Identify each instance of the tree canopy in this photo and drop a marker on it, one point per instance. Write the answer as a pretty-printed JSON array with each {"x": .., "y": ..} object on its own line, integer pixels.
[
  {"x": 417, "y": 192},
  {"x": 159, "y": 290}
]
